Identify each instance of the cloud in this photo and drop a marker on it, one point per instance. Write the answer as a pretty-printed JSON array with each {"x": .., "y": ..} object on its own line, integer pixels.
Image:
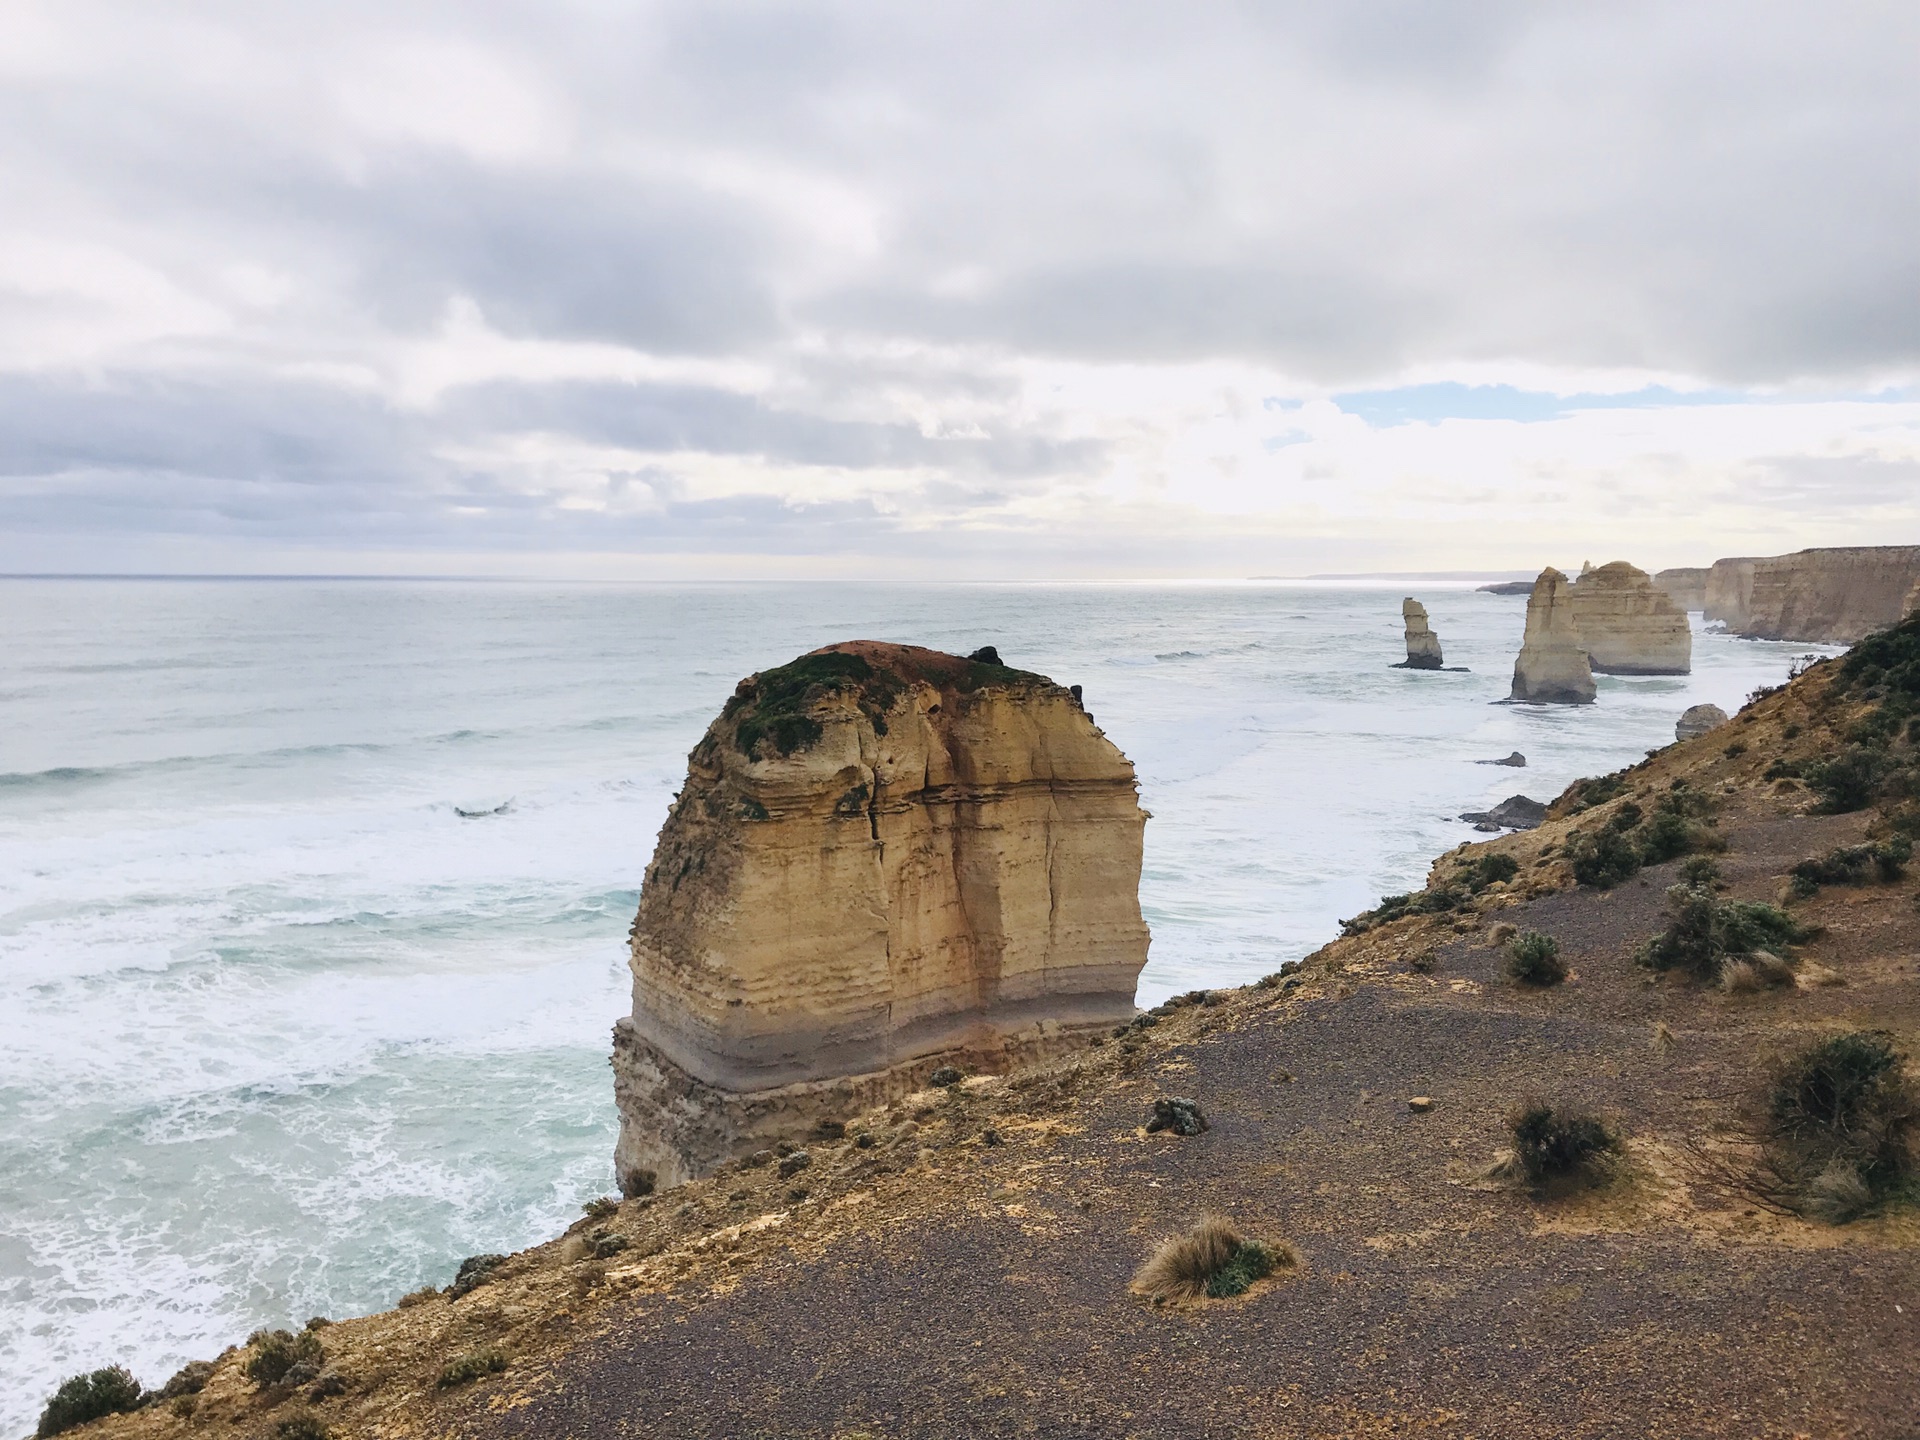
[{"x": 1001, "y": 288}]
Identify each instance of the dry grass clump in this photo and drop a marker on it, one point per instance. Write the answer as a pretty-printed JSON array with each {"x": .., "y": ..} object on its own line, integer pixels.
[{"x": 1211, "y": 1260}]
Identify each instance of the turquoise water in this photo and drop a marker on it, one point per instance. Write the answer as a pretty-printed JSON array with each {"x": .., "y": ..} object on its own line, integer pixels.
[{"x": 282, "y": 1034}]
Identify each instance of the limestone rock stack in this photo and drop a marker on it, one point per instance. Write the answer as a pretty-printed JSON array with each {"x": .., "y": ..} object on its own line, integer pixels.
[
  {"x": 1686, "y": 585},
  {"x": 885, "y": 860},
  {"x": 1423, "y": 646},
  {"x": 1729, "y": 589},
  {"x": 1628, "y": 625},
  {"x": 1552, "y": 668}
]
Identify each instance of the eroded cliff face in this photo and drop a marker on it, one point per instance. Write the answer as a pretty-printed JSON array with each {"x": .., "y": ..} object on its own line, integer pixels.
[
  {"x": 1552, "y": 667},
  {"x": 1628, "y": 625},
  {"x": 1829, "y": 596},
  {"x": 885, "y": 859}
]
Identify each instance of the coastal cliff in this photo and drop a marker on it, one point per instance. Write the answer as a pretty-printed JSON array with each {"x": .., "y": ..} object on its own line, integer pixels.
[
  {"x": 885, "y": 859},
  {"x": 1829, "y": 596},
  {"x": 1628, "y": 625},
  {"x": 954, "y": 1261}
]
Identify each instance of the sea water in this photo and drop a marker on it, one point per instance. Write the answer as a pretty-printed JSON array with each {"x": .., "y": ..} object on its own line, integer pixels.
[{"x": 284, "y": 1032}]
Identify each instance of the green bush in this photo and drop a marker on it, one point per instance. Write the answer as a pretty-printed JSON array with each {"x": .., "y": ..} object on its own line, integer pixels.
[
  {"x": 1702, "y": 932},
  {"x": 88, "y": 1397},
  {"x": 278, "y": 1353},
  {"x": 1850, "y": 780},
  {"x": 1395, "y": 907},
  {"x": 1843, "y": 1118},
  {"x": 1700, "y": 870},
  {"x": 1534, "y": 959},
  {"x": 472, "y": 1366},
  {"x": 1585, "y": 794},
  {"x": 1854, "y": 865},
  {"x": 304, "y": 1426},
  {"x": 1487, "y": 870},
  {"x": 1552, "y": 1144},
  {"x": 1604, "y": 858}
]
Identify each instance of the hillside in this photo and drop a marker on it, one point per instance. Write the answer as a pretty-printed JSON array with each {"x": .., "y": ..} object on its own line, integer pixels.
[{"x": 957, "y": 1264}]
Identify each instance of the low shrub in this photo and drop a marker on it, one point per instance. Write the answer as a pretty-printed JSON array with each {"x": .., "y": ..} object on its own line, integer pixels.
[
  {"x": 1703, "y": 933},
  {"x": 1603, "y": 859},
  {"x": 474, "y": 1271},
  {"x": 1395, "y": 907},
  {"x": 281, "y": 1355},
  {"x": 600, "y": 1208},
  {"x": 1534, "y": 959},
  {"x": 1585, "y": 794},
  {"x": 1842, "y": 1118},
  {"x": 1556, "y": 1145},
  {"x": 1850, "y": 780},
  {"x": 1853, "y": 865},
  {"x": 1784, "y": 770},
  {"x": 465, "y": 1369},
  {"x": 1212, "y": 1259},
  {"x": 88, "y": 1397},
  {"x": 304, "y": 1426},
  {"x": 1476, "y": 875},
  {"x": 190, "y": 1379},
  {"x": 1700, "y": 870}
]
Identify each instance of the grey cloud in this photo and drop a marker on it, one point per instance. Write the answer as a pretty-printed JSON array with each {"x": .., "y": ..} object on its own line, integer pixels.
[{"x": 1337, "y": 190}]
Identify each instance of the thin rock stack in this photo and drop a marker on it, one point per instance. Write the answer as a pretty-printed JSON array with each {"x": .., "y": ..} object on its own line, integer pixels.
[
  {"x": 1423, "y": 646},
  {"x": 1552, "y": 668}
]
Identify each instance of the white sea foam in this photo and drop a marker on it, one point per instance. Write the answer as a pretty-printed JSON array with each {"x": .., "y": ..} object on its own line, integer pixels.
[{"x": 281, "y": 1033}]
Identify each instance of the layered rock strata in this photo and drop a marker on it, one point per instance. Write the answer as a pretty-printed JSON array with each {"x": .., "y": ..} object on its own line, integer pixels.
[
  {"x": 1628, "y": 625},
  {"x": 1552, "y": 667},
  {"x": 1830, "y": 596},
  {"x": 1423, "y": 646},
  {"x": 1698, "y": 720},
  {"x": 1685, "y": 585},
  {"x": 885, "y": 860}
]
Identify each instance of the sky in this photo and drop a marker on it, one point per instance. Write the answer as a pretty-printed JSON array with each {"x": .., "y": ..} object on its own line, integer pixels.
[{"x": 987, "y": 291}]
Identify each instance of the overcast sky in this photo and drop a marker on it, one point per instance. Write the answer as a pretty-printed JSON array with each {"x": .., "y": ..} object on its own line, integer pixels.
[{"x": 954, "y": 290}]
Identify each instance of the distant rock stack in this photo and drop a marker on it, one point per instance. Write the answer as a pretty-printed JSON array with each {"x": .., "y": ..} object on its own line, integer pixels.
[
  {"x": 1729, "y": 592},
  {"x": 1423, "y": 646},
  {"x": 1686, "y": 585},
  {"x": 1698, "y": 720},
  {"x": 1628, "y": 626},
  {"x": 884, "y": 860},
  {"x": 1552, "y": 668}
]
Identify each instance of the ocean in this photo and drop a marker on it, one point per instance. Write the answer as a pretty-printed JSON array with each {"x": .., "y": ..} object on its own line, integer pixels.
[{"x": 283, "y": 1033}]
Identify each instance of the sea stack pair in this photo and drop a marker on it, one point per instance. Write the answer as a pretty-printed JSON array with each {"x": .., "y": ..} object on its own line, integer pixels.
[
  {"x": 1614, "y": 620},
  {"x": 885, "y": 860}
]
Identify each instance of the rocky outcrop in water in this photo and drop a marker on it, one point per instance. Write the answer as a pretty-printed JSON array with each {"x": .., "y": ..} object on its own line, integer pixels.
[
  {"x": 1698, "y": 720},
  {"x": 1685, "y": 585},
  {"x": 1628, "y": 626},
  {"x": 1423, "y": 646},
  {"x": 886, "y": 860},
  {"x": 1552, "y": 667},
  {"x": 1516, "y": 812},
  {"x": 1829, "y": 596}
]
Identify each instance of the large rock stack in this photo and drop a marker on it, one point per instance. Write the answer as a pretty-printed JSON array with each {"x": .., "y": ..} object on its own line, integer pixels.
[
  {"x": 885, "y": 860},
  {"x": 1552, "y": 668},
  {"x": 1628, "y": 625},
  {"x": 1729, "y": 592},
  {"x": 1686, "y": 585},
  {"x": 1423, "y": 646}
]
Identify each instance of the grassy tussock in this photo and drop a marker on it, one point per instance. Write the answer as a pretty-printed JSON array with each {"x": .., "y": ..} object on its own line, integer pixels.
[{"x": 1211, "y": 1260}]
